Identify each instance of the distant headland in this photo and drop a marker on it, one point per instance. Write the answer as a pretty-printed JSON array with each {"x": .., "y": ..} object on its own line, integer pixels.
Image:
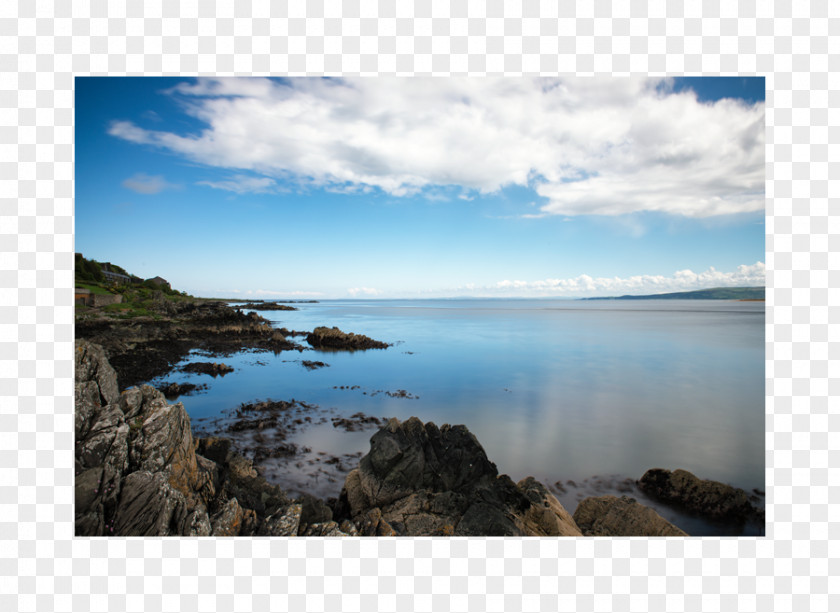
[{"x": 717, "y": 293}]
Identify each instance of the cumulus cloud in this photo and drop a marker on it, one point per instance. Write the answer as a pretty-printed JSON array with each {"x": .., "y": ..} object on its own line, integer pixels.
[
  {"x": 242, "y": 184},
  {"x": 147, "y": 184},
  {"x": 587, "y": 146},
  {"x": 585, "y": 285},
  {"x": 363, "y": 291}
]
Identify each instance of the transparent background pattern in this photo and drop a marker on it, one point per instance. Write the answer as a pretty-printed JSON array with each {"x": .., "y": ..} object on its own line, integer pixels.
[{"x": 43, "y": 45}]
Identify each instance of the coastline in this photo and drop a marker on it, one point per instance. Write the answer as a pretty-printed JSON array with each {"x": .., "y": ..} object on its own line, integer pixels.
[{"x": 221, "y": 331}]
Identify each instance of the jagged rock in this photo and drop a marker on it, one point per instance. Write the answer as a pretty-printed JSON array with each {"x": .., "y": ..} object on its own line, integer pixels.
[
  {"x": 329, "y": 528},
  {"x": 283, "y": 523},
  {"x": 423, "y": 480},
  {"x": 228, "y": 520},
  {"x": 138, "y": 473},
  {"x": 151, "y": 506},
  {"x": 333, "y": 338},
  {"x": 92, "y": 366},
  {"x": 546, "y": 515},
  {"x": 613, "y": 516},
  {"x": 710, "y": 498}
]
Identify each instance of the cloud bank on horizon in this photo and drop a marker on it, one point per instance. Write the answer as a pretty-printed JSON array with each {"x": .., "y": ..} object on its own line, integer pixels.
[
  {"x": 591, "y": 146},
  {"x": 585, "y": 285}
]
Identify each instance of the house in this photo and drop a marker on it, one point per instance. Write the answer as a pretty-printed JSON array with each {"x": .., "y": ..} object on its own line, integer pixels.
[
  {"x": 160, "y": 281},
  {"x": 115, "y": 277}
]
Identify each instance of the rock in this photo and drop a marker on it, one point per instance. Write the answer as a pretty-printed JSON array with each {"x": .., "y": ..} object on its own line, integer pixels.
[
  {"x": 92, "y": 366},
  {"x": 333, "y": 338},
  {"x": 313, "y": 364},
  {"x": 228, "y": 520},
  {"x": 151, "y": 506},
  {"x": 329, "y": 528},
  {"x": 266, "y": 306},
  {"x": 423, "y": 480},
  {"x": 546, "y": 515},
  {"x": 283, "y": 523},
  {"x": 138, "y": 472},
  {"x": 173, "y": 390},
  {"x": 208, "y": 368},
  {"x": 613, "y": 516},
  {"x": 712, "y": 499}
]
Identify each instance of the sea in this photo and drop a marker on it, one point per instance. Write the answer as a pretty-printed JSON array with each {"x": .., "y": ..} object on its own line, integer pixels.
[{"x": 583, "y": 395}]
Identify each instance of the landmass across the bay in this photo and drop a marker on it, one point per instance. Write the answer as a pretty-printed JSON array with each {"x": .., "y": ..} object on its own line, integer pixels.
[{"x": 717, "y": 293}]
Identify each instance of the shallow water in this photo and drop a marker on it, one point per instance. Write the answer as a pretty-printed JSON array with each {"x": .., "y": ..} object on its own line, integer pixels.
[{"x": 561, "y": 390}]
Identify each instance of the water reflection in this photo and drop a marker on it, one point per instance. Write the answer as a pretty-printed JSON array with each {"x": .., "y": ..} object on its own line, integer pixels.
[{"x": 558, "y": 390}]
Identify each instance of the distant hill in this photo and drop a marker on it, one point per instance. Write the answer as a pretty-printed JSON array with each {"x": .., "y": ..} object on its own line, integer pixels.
[{"x": 717, "y": 293}]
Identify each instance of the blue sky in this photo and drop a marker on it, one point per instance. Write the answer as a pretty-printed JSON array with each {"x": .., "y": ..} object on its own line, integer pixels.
[{"x": 336, "y": 188}]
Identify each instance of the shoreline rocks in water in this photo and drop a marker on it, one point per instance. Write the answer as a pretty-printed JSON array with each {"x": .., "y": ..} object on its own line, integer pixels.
[
  {"x": 139, "y": 471},
  {"x": 143, "y": 348},
  {"x": 173, "y": 390},
  {"x": 214, "y": 369},
  {"x": 614, "y": 516},
  {"x": 266, "y": 306},
  {"x": 333, "y": 338},
  {"x": 711, "y": 499}
]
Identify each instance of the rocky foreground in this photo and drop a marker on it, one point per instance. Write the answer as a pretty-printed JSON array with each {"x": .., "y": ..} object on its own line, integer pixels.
[{"x": 140, "y": 472}]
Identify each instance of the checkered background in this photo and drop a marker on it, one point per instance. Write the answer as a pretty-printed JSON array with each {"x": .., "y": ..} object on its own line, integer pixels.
[{"x": 43, "y": 45}]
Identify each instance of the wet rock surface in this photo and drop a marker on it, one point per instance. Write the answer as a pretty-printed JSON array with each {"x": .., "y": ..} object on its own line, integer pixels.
[
  {"x": 333, "y": 338},
  {"x": 614, "y": 516},
  {"x": 712, "y": 499}
]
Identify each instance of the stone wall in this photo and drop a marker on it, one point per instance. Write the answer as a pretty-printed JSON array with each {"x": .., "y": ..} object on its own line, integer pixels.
[{"x": 100, "y": 300}]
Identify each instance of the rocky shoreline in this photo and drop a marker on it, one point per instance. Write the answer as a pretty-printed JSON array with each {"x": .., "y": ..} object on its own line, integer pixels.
[
  {"x": 143, "y": 348},
  {"x": 141, "y": 471}
]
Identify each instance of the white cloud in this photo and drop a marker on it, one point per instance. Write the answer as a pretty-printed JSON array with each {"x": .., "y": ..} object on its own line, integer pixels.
[
  {"x": 363, "y": 291},
  {"x": 147, "y": 184},
  {"x": 587, "y": 145},
  {"x": 242, "y": 184},
  {"x": 585, "y": 285}
]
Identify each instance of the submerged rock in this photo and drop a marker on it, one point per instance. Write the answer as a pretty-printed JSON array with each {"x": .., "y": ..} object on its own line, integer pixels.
[
  {"x": 712, "y": 499},
  {"x": 333, "y": 338},
  {"x": 423, "y": 480},
  {"x": 208, "y": 368},
  {"x": 613, "y": 516}
]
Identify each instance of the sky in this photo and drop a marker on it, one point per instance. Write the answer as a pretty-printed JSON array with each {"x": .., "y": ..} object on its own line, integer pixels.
[{"x": 296, "y": 188}]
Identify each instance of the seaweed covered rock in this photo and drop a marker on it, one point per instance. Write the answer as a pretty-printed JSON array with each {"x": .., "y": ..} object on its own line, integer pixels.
[
  {"x": 333, "y": 338},
  {"x": 419, "y": 480}
]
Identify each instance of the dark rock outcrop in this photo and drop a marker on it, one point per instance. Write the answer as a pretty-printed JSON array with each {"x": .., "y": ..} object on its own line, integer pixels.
[
  {"x": 712, "y": 499},
  {"x": 423, "y": 480},
  {"x": 613, "y": 516},
  {"x": 333, "y": 338}
]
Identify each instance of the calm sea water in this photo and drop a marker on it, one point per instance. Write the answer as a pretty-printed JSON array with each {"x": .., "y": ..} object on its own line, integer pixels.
[{"x": 580, "y": 393}]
